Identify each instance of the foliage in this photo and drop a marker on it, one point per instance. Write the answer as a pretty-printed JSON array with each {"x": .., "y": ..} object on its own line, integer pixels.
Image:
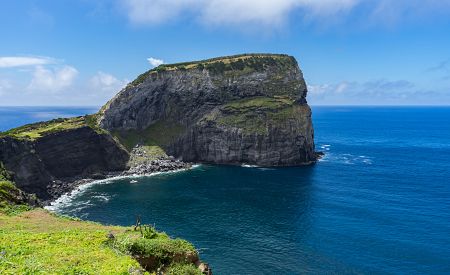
[
  {"x": 148, "y": 232},
  {"x": 183, "y": 269},
  {"x": 157, "y": 245},
  {"x": 9, "y": 203},
  {"x": 4, "y": 174},
  {"x": 255, "y": 115},
  {"x": 156, "y": 135}
]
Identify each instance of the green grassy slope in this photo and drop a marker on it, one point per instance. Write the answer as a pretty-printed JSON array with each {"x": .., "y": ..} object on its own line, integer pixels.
[{"x": 36, "y": 241}]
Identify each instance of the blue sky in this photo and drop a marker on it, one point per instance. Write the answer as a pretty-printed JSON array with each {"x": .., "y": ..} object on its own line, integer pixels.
[{"x": 352, "y": 52}]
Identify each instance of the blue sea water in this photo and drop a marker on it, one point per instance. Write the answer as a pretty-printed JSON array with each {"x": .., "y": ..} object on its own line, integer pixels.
[
  {"x": 378, "y": 202},
  {"x": 11, "y": 117}
]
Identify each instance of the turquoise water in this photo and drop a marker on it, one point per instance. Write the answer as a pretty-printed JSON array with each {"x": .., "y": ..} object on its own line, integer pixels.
[{"x": 379, "y": 202}]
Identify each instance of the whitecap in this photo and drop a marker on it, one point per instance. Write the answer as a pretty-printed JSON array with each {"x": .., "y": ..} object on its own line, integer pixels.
[
  {"x": 249, "y": 166},
  {"x": 346, "y": 158},
  {"x": 67, "y": 198}
]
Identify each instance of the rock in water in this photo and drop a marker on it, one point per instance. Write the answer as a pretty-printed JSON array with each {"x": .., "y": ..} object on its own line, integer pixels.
[{"x": 239, "y": 109}]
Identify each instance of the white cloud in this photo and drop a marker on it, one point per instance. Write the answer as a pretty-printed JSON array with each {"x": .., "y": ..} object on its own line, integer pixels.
[
  {"x": 21, "y": 61},
  {"x": 272, "y": 14},
  {"x": 155, "y": 62},
  {"x": 106, "y": 82},
  {"x": 374, "y": 92},
  {"x": 52, "y": 80},
  {"x": 229, "y": 12}
]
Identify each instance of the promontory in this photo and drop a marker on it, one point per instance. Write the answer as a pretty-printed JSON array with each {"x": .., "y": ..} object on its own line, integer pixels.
[{"x": 243, "y": 109}]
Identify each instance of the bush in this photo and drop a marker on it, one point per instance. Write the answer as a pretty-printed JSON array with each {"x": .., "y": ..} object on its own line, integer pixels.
[
  {"x": 148, "y": 232},
  {"x": 4, "y": 174},
  {"x": 183, "y": 269}
]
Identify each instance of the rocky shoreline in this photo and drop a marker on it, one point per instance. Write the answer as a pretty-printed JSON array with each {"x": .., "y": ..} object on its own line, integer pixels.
[
  {"x": 60, "y": 187},
  {"x": 143, "y": 168}
]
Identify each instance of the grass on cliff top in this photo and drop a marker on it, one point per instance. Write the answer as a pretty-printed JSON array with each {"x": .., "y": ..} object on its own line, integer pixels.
[
  {"x": 234, "y": 65},
  {"x": 36, "y": 130},
  {"x": 39, "y": 242}
]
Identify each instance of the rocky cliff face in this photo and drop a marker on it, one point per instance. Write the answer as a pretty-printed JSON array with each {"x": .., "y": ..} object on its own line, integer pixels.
[
  {"x": 240, "y": 109},
  {"x": 231, "y": 110},
  {"x": 37, "y": 163}
]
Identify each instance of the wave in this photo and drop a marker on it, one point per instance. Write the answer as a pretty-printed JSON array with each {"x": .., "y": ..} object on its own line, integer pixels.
[
  {"x": 67, "y": 199},
  {"x": 249, "y": 166},
  {"x": 325, "y": 147},
  {"x": 346, "y": 159}
]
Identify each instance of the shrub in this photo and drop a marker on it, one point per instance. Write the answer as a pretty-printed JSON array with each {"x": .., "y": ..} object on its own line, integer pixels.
[
  {"x": 183, "y": 269},
  {"x": 148, "y": 232}
]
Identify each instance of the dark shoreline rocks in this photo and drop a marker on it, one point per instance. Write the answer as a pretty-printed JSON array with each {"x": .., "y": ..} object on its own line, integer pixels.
[{"x": 60, "y": 187}]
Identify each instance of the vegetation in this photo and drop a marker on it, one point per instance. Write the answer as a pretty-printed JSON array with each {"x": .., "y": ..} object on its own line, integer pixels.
[
  {"x": 185, "y": 269},
  {"x": 10, "y": 203},
  {"x": 155, "y": 137},
  {"x": 254, "y": 115},
  {"x": 40, "y": 129},
  {"x": 39, "y": 242},
  {"x": 235, "y": 64},
  {"x": 160, "y": 246},
  {"x": 35, "y": 241}
]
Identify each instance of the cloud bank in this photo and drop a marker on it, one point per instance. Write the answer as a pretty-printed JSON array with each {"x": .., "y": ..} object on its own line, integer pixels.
[
  {"x": 48, "y": 81},
  {"x": 228, "y": 12},
  {"x": 52, "y": 80},
  {"x": 273, "y": 14},
  {"x": 375, "y": 92}
]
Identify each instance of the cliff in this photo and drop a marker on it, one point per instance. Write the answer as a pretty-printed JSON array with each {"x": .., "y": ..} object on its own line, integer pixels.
[
  {"x": 240, "y": 109},
  {"x": 43, "y": 155}
]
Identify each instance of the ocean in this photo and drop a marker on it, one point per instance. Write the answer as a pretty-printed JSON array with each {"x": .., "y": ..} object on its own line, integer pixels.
[{"x": 377, "y": 203}]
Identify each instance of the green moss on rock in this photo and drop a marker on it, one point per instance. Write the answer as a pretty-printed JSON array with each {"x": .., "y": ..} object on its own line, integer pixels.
[
  {"x": 158, "y": 135},
  {"x": 40, "y": 129},
  {"x": 255, "y": 115}
]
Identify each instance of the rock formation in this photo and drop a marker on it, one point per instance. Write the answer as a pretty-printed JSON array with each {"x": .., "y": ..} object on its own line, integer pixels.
[
  {"x": 80, "y": 152},
  {"x": 239, "y": 109}
]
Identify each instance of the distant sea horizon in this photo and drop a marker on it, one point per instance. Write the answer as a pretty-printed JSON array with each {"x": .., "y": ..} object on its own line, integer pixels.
[
  {"x": 16, "y": 116},
  {"x": 378, "y": 202}
]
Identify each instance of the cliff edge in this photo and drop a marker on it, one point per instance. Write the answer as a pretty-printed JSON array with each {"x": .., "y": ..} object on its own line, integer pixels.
[
  {"x": 243, "y": 109},
  {"x": 247, "y": 108}
]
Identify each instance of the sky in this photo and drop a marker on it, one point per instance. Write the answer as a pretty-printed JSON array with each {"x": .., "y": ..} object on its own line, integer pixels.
[{"x": 351, "y": 52}]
